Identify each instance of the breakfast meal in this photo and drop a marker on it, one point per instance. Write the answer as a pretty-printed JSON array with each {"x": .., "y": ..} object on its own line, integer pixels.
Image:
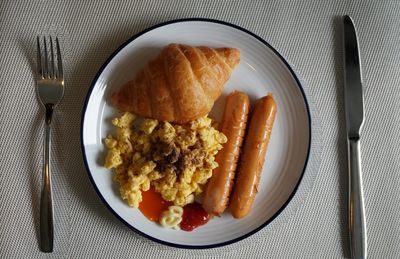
[{"x": 178, "y": 166}]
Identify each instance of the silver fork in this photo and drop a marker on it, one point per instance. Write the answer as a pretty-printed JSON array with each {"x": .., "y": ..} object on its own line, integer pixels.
[{"x": 50, "y": 90}]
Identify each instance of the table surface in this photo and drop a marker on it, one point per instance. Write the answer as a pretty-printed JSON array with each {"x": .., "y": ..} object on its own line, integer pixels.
[{"x": 307, "y": 33}]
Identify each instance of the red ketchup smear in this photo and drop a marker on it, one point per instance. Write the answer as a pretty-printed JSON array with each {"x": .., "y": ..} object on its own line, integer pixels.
[
  {"x": 193, "y": 216},
  {"x": 152, "y": 205}
]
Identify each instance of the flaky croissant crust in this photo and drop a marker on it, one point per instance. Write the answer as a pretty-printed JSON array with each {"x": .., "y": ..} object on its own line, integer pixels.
[{"x": 180, "y": 85}]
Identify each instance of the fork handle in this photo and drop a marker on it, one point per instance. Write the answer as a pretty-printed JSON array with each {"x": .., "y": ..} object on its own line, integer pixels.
[
  {"x": 46, "y": 203},
  {"x": 358, "y": 232}
]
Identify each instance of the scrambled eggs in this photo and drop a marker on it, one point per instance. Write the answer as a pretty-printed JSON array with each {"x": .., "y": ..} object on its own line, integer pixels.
[{"x": 176, "y": 159}]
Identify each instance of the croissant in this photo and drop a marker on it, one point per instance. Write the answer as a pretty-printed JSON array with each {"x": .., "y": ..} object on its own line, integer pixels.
[{"x": 180, "y": 85}]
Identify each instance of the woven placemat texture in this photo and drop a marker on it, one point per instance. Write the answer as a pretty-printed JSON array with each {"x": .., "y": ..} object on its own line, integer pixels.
[{"x": 307, "y": 33}]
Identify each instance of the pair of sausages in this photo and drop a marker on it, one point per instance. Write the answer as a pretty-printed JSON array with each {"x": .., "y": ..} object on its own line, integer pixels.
[{"x": 233, "y": 125}]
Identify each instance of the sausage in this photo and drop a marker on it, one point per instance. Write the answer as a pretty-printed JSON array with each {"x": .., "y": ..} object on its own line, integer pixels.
[
  {"x": 253, "y": 156},
  {"x": 233, "y": 125}
]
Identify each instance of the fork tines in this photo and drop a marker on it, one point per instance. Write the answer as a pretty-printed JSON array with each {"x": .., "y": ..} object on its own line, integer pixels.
[{"x": 45, "y": 68}]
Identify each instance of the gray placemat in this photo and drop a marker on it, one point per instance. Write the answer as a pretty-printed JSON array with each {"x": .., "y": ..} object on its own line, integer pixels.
[{"x": 307, "y": 33}]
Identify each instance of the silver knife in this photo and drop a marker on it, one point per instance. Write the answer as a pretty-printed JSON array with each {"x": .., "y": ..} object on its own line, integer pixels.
[{"x": 354, "y": 120}]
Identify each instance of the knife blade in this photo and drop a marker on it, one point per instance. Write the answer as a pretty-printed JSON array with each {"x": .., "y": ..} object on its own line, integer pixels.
[
  {"x": 354, "y": 107},
  {"x": 353, "y": 81}
]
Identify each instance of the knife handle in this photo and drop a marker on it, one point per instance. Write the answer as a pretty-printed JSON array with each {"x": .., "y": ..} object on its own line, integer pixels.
[{"x": 357, "y": 228}]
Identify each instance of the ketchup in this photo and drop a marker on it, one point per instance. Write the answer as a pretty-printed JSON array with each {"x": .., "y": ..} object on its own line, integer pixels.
[
  {"x": 152, "y": 205},
  {"x": 193, "y": 216}
]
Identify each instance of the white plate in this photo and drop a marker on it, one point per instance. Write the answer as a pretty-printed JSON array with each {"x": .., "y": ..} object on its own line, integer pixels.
[{"x": 262, "y": 70}]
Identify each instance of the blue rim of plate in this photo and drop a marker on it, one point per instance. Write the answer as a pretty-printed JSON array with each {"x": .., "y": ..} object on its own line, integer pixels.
[{"x": 90, "y": 93}]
